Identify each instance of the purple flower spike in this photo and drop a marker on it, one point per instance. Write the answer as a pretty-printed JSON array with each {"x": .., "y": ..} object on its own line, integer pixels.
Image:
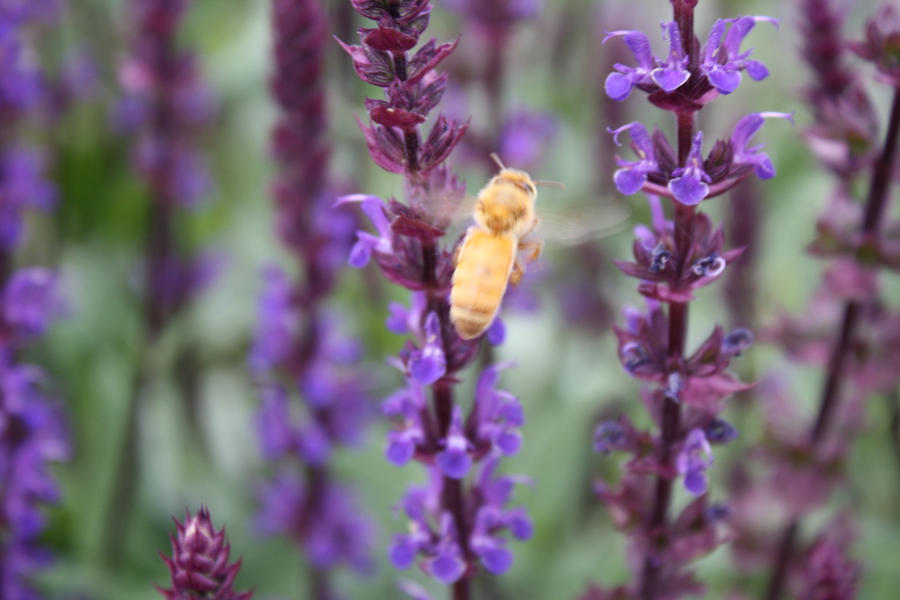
[
  {"x": 199, "y": 564},
  {"x": 632, "y": 175},
  {"x": 689, "y": 187},
  {"x": 671, "y": 75},
  {"x": 723, "y": 61},
  {"x": 618, "y": 86},
  {"x": 454, "y": 461},
  {"x": 693, "y": 460},
  {"x": 741, "y": 135}
]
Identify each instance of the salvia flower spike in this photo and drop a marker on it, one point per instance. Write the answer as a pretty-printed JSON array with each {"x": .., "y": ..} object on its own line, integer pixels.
[
  {"x": 458, "y": 521},
  {"x": 199, "y": 566},
  {"x": 674, "y": 258}
]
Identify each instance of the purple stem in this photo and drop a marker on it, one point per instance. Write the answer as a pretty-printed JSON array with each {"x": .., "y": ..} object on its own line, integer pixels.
[
  {"x": 452, "y": 498},
  {"x": 875, "y": 203},
  {"x": 317, "y": 483},
  {"x": 156, "y": 312},
  {"x": 678, "y": 318}
]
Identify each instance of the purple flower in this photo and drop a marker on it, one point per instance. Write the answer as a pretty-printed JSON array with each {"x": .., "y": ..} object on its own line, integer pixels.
[
  {"x": 499, "y": 412},
  {"x": 367, "y": 243},
  {"x": 31, "y": 299},
  {"x": 199, "y": 564},
  {"x": 723, "y": 61},
  {"x": 22, "y": 184},
  {"x": 429, "y": 364},
  {"x": 454, "y": 460},
  {"x": 672, "y": 74},
  {"x": 631, "y": 175},
  {"x": 339, "y": 533},
  {"x": 496, "y": 332},
  {"x": 618, "y": 85},
  {"x": 690, "y": 184},
  {"x": 276, "y": 323},
  {"x": 525, "y": 138},
  {"x": 669, "y": 75},
  {"x": 740, "y": 138},
  {"x": 693, "y": 460}
]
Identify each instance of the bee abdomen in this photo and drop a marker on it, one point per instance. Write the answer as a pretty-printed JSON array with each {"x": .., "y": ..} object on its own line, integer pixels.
[{"x": 479, "y": 281}]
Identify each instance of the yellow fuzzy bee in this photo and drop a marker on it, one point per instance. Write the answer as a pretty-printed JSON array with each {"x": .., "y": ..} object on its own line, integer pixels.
[{"x": 488, "y": 258}]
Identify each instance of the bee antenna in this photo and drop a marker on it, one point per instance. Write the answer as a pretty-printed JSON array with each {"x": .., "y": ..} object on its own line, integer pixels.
[
  {"x": 497, "y": 160},
  {"x": 554, "y": 184}
]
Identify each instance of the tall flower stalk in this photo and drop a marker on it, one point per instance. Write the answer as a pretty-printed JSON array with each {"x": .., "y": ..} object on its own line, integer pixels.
[
  {"x": 673, "y": 258},
  {"x": 455, "y": 525},
  {"x": 199, "y": 566},
  {"x": 852, "y": 334},
  {"x": 33, "y": 431},
  {"x": 164, "y": 107},
  {"x": 299, "y": 356}
]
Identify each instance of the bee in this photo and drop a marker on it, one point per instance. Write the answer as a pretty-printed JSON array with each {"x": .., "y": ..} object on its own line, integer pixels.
[{"x": 489, "y": 259}]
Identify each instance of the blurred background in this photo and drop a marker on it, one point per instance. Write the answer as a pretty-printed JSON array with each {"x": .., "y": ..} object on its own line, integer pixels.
[{"x": 193, "y": 437}]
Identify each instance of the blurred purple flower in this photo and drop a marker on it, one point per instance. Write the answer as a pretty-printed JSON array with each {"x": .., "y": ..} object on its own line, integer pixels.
[
  {"x": 524, "y": 138},
  {"x": 31, "y": 299},
  {"x": 314, "y": 400},
  {"x": 693, "y": 460},
  {"x": 328, "y": 519}
]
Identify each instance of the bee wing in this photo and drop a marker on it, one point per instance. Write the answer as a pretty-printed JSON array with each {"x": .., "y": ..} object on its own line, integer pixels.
[
  {"x": 457, "y": 216},
  {"x": 570, "y": 226}
]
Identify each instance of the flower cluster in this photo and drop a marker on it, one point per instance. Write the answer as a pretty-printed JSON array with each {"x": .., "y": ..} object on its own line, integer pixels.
[
  {"x": 32, "y": 426},
  {"x": 849, "y": 330},
  {"x": 673, "y": 83},
  {"x": 33, "y": 430},
  {"x": 728, "y": 162},
  {"x": 676, "y": 85},
  {"x": 199, "y": 564},
  {"x": 24, "y": 95},
  {"x": 454, "y": 527},
  {"x": 673, "y": 258},
  {"x": 312, "y": 400},
  {"x": 165, "y": 106}
]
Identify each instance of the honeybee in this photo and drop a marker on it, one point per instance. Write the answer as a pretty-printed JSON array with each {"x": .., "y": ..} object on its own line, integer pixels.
[{"x": 488, "y": 258}]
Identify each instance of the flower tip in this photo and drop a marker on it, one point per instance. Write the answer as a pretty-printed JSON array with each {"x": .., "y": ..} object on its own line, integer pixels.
[
  {"x": 447, "y": 569},
  {"x": 359, "y": 255},
  {"x": 402, "y": 552},
  {"x": 618, "y": 86},
  {"x": 497, "y": 560}
]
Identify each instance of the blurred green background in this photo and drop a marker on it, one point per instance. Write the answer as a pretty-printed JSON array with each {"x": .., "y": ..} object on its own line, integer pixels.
[{"x": 565, "y": 377}]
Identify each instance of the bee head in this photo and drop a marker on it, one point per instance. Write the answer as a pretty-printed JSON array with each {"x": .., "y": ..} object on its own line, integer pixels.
[
  {"x": 506, "y": 204},
  {"x": 519, "y": 179}
]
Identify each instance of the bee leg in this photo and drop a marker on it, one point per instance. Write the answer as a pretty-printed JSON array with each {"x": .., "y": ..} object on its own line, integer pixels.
[
  {"x": 455, "y": 257},
  {"x": 533, "y": 249},
  {"x": 518, "y": 271}
]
